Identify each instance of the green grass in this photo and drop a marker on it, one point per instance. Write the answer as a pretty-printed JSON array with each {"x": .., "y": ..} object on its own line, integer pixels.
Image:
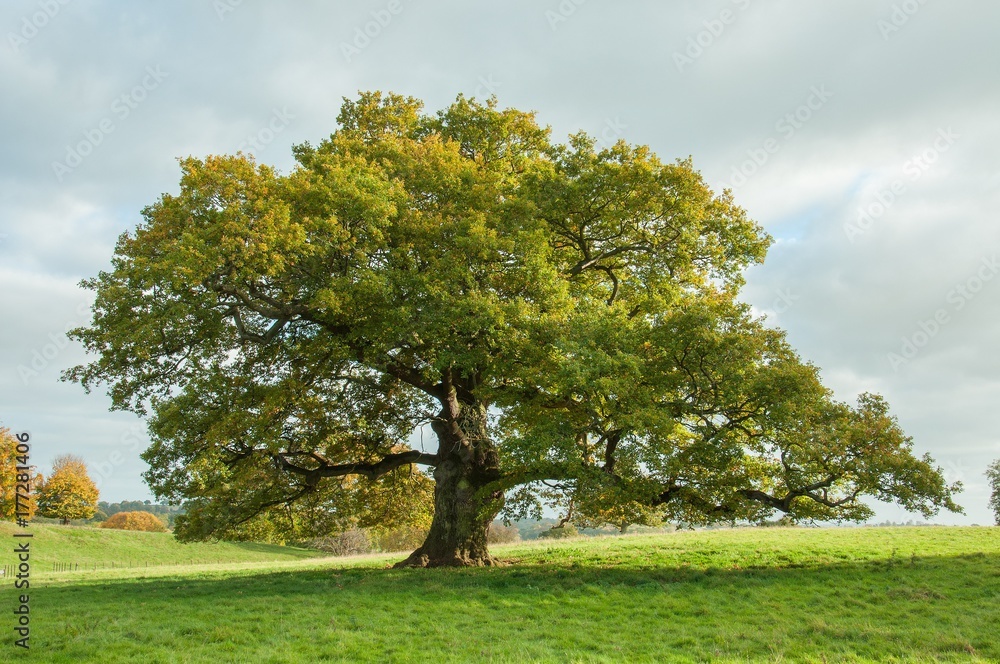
[
  {"x": 87, "y": 547},
  {"x": 793, "y": 595}
]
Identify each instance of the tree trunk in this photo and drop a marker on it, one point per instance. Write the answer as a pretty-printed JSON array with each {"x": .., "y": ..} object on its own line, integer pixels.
[
  {"x": 65, "y": 521},
  {"x": 457, "y": 537},
  {"x": 462, "y": 511}
]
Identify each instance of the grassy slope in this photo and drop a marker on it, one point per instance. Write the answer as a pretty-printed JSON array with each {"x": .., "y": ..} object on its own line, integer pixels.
[
  {"x": 87, "y": 546},
  {"x": 896, "y": 594}
]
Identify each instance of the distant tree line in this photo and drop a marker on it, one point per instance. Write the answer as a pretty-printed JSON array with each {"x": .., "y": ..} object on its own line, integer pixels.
[{"x": 166, "y": 513}]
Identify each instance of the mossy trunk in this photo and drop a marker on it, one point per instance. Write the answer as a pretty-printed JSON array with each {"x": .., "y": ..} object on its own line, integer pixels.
[{"x": 463, "y": 509}]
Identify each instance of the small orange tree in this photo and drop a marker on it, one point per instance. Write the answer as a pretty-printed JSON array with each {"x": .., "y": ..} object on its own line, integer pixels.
[
  {"x": 68, "y": 493},
  {"x": 9, "y": 479},
  {"x": 146, "y": 521}
]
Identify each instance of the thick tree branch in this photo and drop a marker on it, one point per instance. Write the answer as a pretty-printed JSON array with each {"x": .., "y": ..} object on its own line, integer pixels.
[
  {"x": 592, "y": 262},
  {"x": 370, "y": 470},
  {"x": 783, "y": 503},
  {"x": 612, "y": 439},
  {"x": 411, "y": 377}
]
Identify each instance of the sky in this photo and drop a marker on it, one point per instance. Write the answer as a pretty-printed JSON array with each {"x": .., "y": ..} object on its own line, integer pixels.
[{"x": 862, "y": 135}]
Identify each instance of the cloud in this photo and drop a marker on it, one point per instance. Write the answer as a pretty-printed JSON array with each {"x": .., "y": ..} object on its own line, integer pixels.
[{"x": 847, "y": 300}]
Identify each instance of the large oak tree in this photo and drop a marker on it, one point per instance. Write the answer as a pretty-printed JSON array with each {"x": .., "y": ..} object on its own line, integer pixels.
[{"x": 561, "y": 316}]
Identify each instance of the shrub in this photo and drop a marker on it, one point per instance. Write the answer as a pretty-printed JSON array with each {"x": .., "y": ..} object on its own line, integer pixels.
[
  {"x": 404, "y": 538},
  {"x": 501, "y": 534},
  {"x": 350, "y": 543},
  {"x": 144, "y": 521},
  {"x": 559, "y": 532}
]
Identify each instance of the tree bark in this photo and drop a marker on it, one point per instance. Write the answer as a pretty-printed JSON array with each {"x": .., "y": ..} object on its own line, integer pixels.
[{"x": 463, "y": 512}]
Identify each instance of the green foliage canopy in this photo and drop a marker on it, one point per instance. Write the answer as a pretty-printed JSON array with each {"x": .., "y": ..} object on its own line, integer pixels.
[{"x": 557, "y": 313}]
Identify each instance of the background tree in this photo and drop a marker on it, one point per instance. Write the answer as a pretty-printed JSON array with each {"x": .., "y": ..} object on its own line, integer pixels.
[
  {"x": 554, "y": 312},
  {"x": 8, "y": 479},
  {"x": 68, "y": 493},
  {"x": 144, "y": 521},
  {"x": 402, "y": 499},
  {"x": 993, "y": 475}
]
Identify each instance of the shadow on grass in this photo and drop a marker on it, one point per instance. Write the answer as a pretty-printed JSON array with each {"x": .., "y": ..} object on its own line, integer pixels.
[
  {"x": 515, "y": 576},
  {"x": 934, "y": 606},
  {"x": 259, "y": 547}
]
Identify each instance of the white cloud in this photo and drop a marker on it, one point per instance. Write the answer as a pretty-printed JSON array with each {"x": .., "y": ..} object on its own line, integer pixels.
[{"x": 846, "y": 304}]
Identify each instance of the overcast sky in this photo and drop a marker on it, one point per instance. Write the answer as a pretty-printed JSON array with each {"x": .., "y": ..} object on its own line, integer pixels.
[{"x": 862, "y": 134}]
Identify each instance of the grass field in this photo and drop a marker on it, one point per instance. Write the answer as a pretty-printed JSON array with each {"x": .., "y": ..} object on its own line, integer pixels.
[
  {"x": 86, "y": 547},
  {"x": 794, "y": 595}
]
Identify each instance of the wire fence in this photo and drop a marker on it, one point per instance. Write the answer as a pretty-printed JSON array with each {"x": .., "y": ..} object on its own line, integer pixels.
[{"x": 9, "y": 571}]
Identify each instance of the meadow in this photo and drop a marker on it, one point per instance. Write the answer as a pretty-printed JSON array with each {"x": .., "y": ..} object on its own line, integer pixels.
[
  {"x": 920, "y": 594},
  {"x": 86, "y": 547}
]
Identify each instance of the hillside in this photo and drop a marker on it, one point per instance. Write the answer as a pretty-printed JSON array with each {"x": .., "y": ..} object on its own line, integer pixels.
[
  {"x": 803, "y": 595},
  {"x": 87, "y": 547}
]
